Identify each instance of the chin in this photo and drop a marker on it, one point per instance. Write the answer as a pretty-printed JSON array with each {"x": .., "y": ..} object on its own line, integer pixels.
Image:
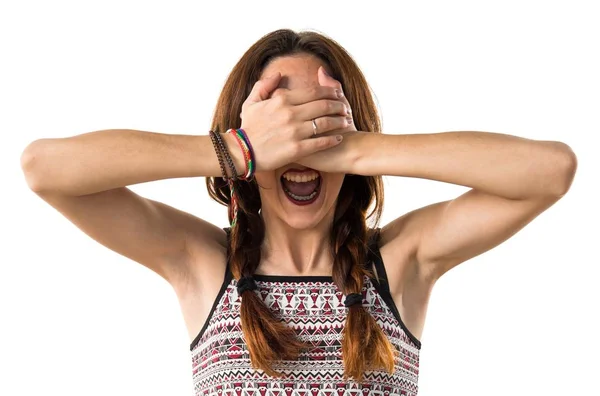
[{"x": 302, "y": 215}]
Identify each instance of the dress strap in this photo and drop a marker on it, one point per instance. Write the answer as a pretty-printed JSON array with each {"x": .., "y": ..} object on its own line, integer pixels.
[
  {"x": 226, "y": 281},
  {"x": 381, "y": 282}
]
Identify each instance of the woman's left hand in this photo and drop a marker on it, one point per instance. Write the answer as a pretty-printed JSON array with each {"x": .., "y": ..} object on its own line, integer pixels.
[{"x": 335, "y": 159}]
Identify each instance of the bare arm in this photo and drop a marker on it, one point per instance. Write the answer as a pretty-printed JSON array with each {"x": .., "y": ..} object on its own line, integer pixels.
[
  {"x": 513, "y": 180},
  {"x": 84, "y": 178},
  {"x": 103, "y": 160}
]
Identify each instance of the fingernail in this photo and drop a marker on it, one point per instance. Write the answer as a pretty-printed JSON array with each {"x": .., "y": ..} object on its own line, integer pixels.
[
  {"x": 349, "y": 119},
  {"x": 339, "y": 138},
  {"x": 339, "y": 93}
]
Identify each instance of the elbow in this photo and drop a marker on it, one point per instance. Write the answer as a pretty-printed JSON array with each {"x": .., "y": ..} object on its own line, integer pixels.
[
  {"x": 566, "y": 165},
  {"x": 31, "y": 165}
]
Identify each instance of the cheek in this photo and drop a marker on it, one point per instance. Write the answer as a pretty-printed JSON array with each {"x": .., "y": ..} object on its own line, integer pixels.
[
  {"x": 334, "y": 182},
  {"x": 267, "y": 182},
  {"x": 262, "y": 177}
]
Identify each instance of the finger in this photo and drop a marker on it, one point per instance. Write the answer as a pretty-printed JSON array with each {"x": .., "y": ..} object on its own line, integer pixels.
[
  {"x": 263, "y": 88},
  {"x": 324, "y": 124},
  {"x": 304, "y": 95},
  {"x": 321, "y": 108},
  {"x": 309, "y": 146},
  {"x": 279, "y": 91},
  {"x": 326, "y": 80}
]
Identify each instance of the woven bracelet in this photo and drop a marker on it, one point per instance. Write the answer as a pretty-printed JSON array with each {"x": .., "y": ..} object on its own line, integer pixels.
[
  {"x": 245, "y": 151},
  {"x": 213, "y": 139},
  {"x": 230, "y": 162},
  {"x": 252, "y": 160}
]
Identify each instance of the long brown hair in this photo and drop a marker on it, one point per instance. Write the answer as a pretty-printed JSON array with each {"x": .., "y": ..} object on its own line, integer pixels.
[{"x": 364, "y": 345}]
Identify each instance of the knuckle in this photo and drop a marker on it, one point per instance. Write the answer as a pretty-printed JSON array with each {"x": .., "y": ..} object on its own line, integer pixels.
[
  {"x": 287, "y": 114},
  {"x": 279, "y": 100},
  {"x": 279, "y": 92},
  {"x": 296, "y": 149},
  {"x": 334, "y": 106},
  {"x": 257, "y": 85},
  {"x": 324, "y": 142},
  {"x": 318, "y": 142},
  {"x": 293, "y": 131}
]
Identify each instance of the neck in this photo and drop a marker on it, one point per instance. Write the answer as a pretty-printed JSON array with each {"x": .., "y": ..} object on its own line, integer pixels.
[{"x": 296, "y": 252}]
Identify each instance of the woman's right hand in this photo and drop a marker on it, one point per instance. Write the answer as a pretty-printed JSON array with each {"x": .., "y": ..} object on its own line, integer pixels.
[{"x": 280, "y": 127}]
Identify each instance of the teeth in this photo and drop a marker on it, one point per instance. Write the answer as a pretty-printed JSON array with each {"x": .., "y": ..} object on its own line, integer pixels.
[
  {"x": 301, "y": 197},
  {"x": 300, "y": 177}
]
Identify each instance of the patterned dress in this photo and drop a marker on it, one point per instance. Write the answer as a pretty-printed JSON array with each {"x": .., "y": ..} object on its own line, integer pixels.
[{"x": 313, "y": 306}]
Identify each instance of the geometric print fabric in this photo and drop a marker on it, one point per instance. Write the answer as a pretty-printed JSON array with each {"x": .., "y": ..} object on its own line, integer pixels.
[{"x": 313, "y": 306}]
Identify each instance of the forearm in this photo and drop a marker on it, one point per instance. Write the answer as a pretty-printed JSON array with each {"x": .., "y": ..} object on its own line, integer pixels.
[
  {"x": 500, "y": 164},
  {"x": 103, "y": 160}
]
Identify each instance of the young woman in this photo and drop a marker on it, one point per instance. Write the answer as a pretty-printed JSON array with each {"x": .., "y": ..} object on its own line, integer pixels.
[{"x": 300, "y": 293}]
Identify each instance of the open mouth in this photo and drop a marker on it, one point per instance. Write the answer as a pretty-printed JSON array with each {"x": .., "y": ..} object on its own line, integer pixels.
[{"x": 301, "y": 188}]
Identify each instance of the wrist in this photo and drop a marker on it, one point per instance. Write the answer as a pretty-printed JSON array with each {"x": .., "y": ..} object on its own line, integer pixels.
[
  {"x": 235, "y": 152},
  {"x": 352, "y": 151}
]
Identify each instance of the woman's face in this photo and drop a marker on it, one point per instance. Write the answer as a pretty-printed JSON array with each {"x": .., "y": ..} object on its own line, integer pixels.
[{"x": 297, "y": 71}]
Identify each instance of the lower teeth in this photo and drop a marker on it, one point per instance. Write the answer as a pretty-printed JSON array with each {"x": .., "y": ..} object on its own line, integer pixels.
[{"x": 301, "y": 197}]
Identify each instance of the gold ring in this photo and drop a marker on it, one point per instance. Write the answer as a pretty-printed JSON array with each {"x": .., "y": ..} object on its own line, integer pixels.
[{"x": 314, "y": 127}]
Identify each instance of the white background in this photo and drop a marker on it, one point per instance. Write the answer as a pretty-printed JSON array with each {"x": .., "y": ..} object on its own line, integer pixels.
[{"x": 78, "y": 319}]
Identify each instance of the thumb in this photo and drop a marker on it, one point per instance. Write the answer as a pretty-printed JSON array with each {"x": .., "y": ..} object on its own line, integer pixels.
[
  {"x": 326, "y": 80},
  {"x": 263, "y": 88}
]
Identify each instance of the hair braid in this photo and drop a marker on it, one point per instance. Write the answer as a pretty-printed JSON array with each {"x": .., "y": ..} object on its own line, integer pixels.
[
  {"x": 364, "y": 345},
  {"x": 267, "y": 338}
]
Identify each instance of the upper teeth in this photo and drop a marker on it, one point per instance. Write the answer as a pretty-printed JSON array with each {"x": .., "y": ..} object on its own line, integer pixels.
[{"x": 301, "y": 177}]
